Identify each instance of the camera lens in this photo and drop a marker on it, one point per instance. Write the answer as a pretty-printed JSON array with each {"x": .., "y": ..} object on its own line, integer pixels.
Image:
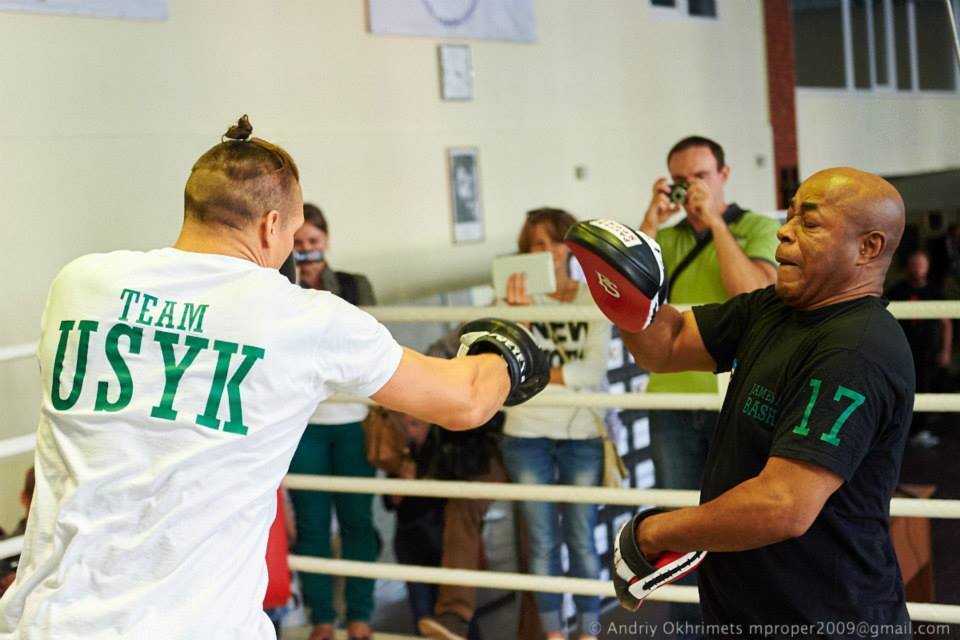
[{"x": 678, "y": 193}]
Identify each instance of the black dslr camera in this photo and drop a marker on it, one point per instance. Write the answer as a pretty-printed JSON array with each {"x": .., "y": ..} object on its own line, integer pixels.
[{"x": 678, "y": 192}]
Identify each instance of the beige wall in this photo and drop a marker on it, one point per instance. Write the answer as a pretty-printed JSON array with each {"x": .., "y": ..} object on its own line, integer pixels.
[
  {"x": 101, "y": 119},
  {"x": 886, "y": 133}
]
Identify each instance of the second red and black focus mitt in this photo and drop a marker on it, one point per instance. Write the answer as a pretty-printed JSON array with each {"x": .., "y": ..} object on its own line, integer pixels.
[{"x": 635, "y": 577}]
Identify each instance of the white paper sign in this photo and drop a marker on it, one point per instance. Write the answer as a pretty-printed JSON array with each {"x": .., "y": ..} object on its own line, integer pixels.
[
  {"x": 132, "y": 9},
  {"x": 483, "y": 19}
]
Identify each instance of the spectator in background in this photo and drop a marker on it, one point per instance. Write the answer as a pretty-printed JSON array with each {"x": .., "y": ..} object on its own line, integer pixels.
[
  {"x": 559, "y": 445},
  {"x": 333, "y": 445},
  {"x": 283, "y": 531},
  {"x": 419, "y": 533},
  {"x": 278, "y": 569},
  {"x": 8, "y": 566},
  {"x": 719, "y": 250},
  {"x": 310, "y": 244},
  {"x": 931, "y": 341},
  {"x": 445, "y": 532},
  {"x": 951, "y": 242}
]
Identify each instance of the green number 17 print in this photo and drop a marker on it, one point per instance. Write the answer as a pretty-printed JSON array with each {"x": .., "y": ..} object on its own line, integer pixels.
[{"x": 833, "y": 436}]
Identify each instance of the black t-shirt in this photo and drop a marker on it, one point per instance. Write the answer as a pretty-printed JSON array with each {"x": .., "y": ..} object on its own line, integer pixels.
[
  {"x": 923, "y": 335},
  {"x": 833, "y": 387}
]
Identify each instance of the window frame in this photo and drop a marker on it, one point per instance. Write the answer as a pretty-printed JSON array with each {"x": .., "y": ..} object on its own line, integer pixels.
[
  {"x": 681, "y": 11},
  {"x": 889, "y": 31}
]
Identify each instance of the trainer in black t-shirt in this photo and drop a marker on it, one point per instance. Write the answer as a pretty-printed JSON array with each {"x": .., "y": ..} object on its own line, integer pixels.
[{"x": 833, "y": 387}]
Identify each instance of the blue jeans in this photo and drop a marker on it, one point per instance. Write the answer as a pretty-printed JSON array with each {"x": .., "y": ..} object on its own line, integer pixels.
[
  {"x": 564, "y": 462},
  {"x": 679, "y": 441}
]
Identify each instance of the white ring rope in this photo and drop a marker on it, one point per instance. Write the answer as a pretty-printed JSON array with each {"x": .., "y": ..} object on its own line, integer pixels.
[
  {"x": 920, "y": 310},
  {"x": 902, "y": 507},
  {"x": 480, "y": 579},
  {"x": 939, "y": 402},
  {"x": 512, "y": 581},
  {"x": 913, "y": 310},
  {"x": 919, "y": 611},
  {"x": 17, "y": 445},
  {"x": 11, "y": 546},
  {"x": 18, "y": 352}
]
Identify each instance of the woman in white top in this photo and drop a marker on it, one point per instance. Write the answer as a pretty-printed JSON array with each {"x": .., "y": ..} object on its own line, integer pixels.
[{"x": 559, "y": 445}]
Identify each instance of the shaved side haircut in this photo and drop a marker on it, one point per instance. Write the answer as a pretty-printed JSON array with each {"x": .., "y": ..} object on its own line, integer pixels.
[{"x": 240, "y": 179}]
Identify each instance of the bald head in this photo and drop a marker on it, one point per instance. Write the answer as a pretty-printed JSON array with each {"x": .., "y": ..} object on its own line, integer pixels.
[
  {"x": 869, "y": 203},
  {"x": 842, "y": 229}
]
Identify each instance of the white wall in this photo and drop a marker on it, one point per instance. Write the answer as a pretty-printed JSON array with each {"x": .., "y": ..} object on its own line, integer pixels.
[
  {"x": 100, "y": 121},
  {"x": 885, "y": 133}
]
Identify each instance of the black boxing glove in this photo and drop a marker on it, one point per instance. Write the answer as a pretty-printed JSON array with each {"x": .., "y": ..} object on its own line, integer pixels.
[
  {"x": 624, "y": 271},
  {"x": 635, "y": 577},
  {"x": 527, "y": 363}
]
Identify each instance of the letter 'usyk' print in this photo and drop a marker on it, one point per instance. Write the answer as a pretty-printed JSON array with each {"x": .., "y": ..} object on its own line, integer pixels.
[{"x": 123, "y": 387}]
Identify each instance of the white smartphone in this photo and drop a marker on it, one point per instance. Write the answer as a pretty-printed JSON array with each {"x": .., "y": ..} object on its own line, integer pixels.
[{"x": 538, "y": 267}]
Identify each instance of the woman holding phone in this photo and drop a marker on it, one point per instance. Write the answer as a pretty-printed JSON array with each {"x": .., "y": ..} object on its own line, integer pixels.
[{"x": 559, "y": 445}]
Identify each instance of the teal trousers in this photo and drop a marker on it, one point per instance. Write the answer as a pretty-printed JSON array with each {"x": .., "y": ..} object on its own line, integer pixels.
[{"x": 335, "y": 450}]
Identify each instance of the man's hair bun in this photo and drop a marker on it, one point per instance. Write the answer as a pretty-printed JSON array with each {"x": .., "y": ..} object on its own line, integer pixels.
[{"x": 240, "y": 131}]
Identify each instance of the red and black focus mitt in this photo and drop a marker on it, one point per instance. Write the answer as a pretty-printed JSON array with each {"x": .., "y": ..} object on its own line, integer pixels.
[
  {"x": 527, "y": 363},
  {"x": 624, "y": 271},
  {"x": 635, "y": 577}
]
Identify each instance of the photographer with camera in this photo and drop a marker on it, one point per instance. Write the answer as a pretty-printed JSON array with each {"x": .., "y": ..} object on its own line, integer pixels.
[{"x": 718, "y": 251}]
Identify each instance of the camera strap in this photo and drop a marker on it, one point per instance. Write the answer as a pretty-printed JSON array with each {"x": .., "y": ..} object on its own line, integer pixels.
[{"x": 731, "y": 216}]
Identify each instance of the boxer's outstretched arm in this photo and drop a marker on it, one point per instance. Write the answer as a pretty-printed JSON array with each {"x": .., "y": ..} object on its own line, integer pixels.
[
  {"x": 461, "y": 393},
  {"x": 672, "y": 342}
]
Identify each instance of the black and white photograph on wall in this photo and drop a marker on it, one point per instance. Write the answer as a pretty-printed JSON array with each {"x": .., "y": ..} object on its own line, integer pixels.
[{"x": 465, "y": 194}]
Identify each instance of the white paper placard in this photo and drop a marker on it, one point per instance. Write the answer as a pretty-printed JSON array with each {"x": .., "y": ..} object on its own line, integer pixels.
[{"x": 483, "y": 19}]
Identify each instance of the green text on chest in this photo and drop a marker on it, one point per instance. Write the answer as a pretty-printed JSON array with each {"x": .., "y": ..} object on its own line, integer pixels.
[
  {"x": 191, "y": 318},
  {"x": 761, "y": 405}
]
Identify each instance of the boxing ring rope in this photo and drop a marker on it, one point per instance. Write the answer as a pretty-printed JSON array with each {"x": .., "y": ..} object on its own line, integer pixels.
[
  {"x": 915, "y": 310},
  {"x": 900, "y": 507},
  {"x": 903, "y": 507},
  {"x": 918, "y": 611}
]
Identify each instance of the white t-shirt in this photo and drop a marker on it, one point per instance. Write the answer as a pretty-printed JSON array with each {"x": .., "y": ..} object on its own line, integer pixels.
[
  {"x": 176, "y": 386},
  {"x": 338, "y": 413}
]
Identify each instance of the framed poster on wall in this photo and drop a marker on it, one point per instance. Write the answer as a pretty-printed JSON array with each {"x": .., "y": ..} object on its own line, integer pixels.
[{"x": 464, "y": 175}]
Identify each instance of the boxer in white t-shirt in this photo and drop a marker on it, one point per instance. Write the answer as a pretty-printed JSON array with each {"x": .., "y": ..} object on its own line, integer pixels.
[{"x": 176, "y": 385}]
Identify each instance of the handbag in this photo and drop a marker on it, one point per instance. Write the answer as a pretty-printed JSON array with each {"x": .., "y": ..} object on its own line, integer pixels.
[
  {"x": 614, "y": 470},
  {"x": 385, "y": 443}
]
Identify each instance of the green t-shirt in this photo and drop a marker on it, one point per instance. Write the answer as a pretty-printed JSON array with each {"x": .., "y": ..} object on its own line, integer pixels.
[{"x": 700, "y": 282}]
